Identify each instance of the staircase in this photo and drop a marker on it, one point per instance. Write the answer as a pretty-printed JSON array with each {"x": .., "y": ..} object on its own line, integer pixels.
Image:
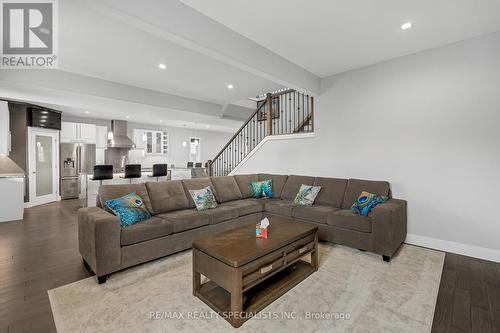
[{"x": 284, "y": 112}]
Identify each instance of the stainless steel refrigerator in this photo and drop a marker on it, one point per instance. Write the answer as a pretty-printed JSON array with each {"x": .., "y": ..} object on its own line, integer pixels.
[{"x": 77, "y": 160}]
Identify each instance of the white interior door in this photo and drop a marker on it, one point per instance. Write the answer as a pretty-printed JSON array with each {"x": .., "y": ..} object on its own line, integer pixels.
[{"x": 43, "y": 154}]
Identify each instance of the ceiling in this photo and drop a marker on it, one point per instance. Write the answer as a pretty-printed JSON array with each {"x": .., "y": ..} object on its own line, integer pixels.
[
  {"x": 94, "y": 43},
  {"x": 332, "y": 36}
]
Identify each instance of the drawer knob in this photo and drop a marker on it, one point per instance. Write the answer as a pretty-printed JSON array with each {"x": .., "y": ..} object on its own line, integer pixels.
[
  {"x": 266, "y": 269},
  {"x": 303, "y": 249}
]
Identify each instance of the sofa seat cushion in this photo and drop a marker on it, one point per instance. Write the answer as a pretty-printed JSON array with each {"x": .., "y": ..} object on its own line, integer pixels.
[
  {"x": 346, "y": 218},
  {"x": 186, "y": 219},
  {"x": 152, "y": 228},
  {"x": 226, "y": 189},
  {"x": 246, "y": 207},
  {"x": 279, "y": 207},
  {"x": 221, "y": 214},
  {"x": 315, "y": 213},
  {"x": 167, "y": 196}
]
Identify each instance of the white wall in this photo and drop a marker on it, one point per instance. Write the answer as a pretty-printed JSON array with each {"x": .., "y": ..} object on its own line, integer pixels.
[
  {"x": 211, "y": 143},
  {"x": 429, "y": 124}
]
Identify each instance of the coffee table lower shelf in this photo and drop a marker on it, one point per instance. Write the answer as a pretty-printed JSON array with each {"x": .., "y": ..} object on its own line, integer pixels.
[{"x": 259, "y": 296}]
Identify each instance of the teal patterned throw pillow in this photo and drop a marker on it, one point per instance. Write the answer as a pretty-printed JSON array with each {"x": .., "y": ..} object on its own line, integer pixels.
[
  {"x": 366, "y": 202},
  {"x": 204, "y": 198},
  {"x": 262, "y": 189},
  {"x": 306, "y": 195},
  {"x": 130, "y": 209}
]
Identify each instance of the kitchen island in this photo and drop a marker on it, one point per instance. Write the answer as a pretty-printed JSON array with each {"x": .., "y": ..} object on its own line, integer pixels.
[{"x": 90, "y": 188}]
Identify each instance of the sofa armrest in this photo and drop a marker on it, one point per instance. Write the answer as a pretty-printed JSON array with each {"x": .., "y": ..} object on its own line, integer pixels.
[
  {"x": 389, "y": 226},
  {"x": 99, "y": 235}
]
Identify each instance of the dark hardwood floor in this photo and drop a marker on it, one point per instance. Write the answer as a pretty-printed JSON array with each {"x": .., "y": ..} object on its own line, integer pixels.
[
  {"x": 37, "y": 254},
  {"x": 40, "y": 253}
]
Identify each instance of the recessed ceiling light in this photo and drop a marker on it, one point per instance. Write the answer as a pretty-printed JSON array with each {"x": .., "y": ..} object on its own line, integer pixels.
[
  {"x": 128, "y": 117},
  {"x": 406, "y": 26},
  {"x": 207, "y": 126},
  {"x": 230, "y": 86},
  {"x": 161, "y": 120},
  {"x": 87, "y": 112},
  {"x": 162, "y": 66}
]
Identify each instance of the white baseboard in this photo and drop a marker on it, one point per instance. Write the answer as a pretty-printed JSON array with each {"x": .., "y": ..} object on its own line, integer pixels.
[
  {"x": 453, "y": 247},
  {"x": 271, "y": 138}
]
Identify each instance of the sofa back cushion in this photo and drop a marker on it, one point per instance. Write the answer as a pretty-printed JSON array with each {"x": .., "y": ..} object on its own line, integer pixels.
[
  {"x": 332, "y": 191},
  {"x": 196, "y": 184},
  {"x": 292, "y": 186},
  {"x": 278, "y": 182},
  {"x": 226, "y": 189},
  {"x": 167, "y": 196},
  {"x": 356, "y": 186},
  {"x": 245, "y": 184},
  {"x": 108, "y": 192}
]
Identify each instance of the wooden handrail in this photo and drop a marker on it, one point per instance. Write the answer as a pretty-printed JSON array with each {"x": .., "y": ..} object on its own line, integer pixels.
[
  {"x": 238, "y": 131},
  {"x": 293, "y": 110}
]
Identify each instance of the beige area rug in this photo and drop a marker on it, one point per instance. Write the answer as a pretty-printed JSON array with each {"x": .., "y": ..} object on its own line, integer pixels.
[{"x": 352, "y": 291}]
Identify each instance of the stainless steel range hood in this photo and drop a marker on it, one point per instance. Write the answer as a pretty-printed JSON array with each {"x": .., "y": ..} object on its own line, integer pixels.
[{"x": 120, "y": 138}]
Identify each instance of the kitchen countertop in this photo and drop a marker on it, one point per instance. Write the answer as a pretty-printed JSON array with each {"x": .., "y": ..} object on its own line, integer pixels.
[
  {"x": 11, "y": 175},
  {"x": 9, "y": 169}
]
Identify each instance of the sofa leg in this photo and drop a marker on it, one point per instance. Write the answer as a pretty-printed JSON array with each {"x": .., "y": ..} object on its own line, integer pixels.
[
  {"x": 386, "y": 258},
  {"x": 102, "y": 279}
]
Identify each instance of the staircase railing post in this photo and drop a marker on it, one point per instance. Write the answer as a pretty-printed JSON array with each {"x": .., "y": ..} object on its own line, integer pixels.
[
  {"x": 209, "y": 168},
  {"x": 312, "y": 113},
  {"x": 269, "y": 102}
]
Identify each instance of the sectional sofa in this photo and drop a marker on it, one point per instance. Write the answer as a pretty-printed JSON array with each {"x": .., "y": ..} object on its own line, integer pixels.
[{"x": 106, "y": 247}]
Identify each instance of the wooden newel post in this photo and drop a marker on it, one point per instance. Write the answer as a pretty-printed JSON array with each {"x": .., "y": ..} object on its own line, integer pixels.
[
  {"x": 209, "y": 168},
  {"x": 269, "y": 101}
]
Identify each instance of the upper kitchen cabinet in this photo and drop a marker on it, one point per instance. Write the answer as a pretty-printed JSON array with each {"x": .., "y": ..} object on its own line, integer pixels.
[
  {"x": 153, "y": 142},
  {"x": 77, "y": 132},
  {"x": 102, "y": 137},
  {"x": 4, "y": 129}
]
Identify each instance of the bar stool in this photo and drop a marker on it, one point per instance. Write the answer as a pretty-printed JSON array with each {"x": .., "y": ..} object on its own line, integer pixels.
[
  {"x": 101, "y": 172},
  {"x": 197, "y": 165},
  {"x": 132, "y": 171},
  {"x": 159, "y": 170},
  {"x": 190, "y": 164}
]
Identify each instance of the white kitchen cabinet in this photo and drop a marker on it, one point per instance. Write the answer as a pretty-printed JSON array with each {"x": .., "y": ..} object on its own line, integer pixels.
[
  {"x": 69, "y": 131},
  {"x": 153, "y": 142},
  {"x": 102, "y": 137},
  {"x": 100, "y": 156},
  {"x": 88, "y": 133},
  {"x": 4, "y": 128},
  {"x": 139, "y": 136},
  {"x": 78, "y": 132}
]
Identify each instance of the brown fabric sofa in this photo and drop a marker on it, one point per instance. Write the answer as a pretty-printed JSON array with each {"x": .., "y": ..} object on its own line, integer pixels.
[{"x": 106, "y": 247}]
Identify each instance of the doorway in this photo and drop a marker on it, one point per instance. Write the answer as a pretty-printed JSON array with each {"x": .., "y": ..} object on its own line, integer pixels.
[{"x": 43, "y": 175}]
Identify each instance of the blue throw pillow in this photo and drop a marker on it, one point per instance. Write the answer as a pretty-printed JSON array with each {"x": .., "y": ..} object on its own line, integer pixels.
[
  {"x": 366, "y": 202},
  {"x": 262, "y": 189},
  {"x": 130, "y": 209}
]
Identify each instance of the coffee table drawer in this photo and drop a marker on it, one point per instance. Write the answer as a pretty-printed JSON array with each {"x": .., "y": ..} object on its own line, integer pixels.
[
  {"x": 262, "y": 268},
  {"x": 300, "y": 251}
]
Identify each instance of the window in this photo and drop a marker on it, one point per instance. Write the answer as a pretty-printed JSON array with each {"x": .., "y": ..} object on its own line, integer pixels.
[
  {"x": 194, "y": 150},
  {"x": 156, "y": 142}
]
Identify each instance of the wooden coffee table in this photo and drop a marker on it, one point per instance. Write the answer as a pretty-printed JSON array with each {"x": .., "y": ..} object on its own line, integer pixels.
[{"x": 247, "y": 273}]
